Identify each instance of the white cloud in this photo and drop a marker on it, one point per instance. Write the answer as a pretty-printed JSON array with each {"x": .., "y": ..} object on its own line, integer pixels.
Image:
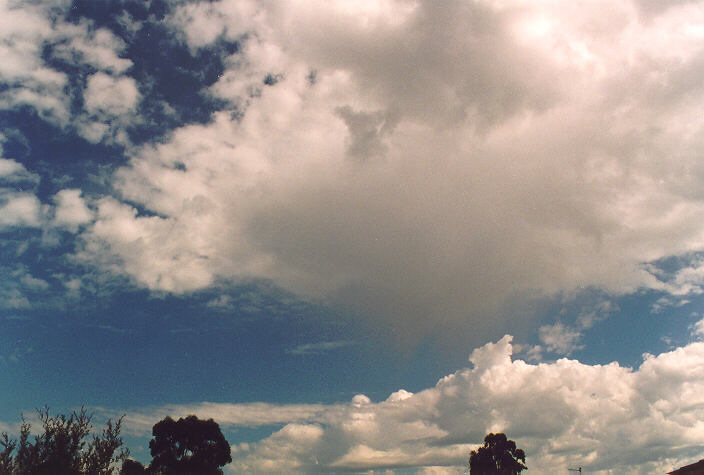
[
  {"x": 23, "y": 30},
  {"x": 697, "y": 329},
  {"x": 13, "y": 171},
  {"x": 446, "y": 159},
  {"x": 33, "y": 283},
  {"x": 99, "y": 48},
  {"x": 110, "y": 104},
  {"x": 8, "y": 168},
  {"x": 122, "y": 241},
  {"x": 559, "y": 338},
  {"x": 19, "y": 209},
  {"x": 605, "y": 418},
  {"x": 26, "y": 31},
  {"x": 18, "y": 287},
  {"x": 71, "y": 210},
  {"x": 203, "y": 22},
  {"x": 106, "y": 95}
]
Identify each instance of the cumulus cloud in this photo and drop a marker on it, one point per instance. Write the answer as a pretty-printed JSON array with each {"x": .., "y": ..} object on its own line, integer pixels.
[
  {"x": 110, "y": 103},
  {"x": 105, "y": 94},
  {"x": 446, "y": 158},
  {"x": 697, "y": 329},
  {"x": 71, "y": 210},
  {"x": 12, "y": 172},
  {"x": 98, "y": 48},
  {"x": 23, "y": 31},
  {"x": 17, "y": 206},
  {"x": 605, "y": 418},
  {"x": 559, "y": 339},
  {"x": 32, "y": 37},
  {"x": 10, "y": 168},
  {"x": 20, "y": 288},
  {"x": 122, "y": 241},
  {"x": 564, "y": 339},
  {"x": 19, "y": 209}
]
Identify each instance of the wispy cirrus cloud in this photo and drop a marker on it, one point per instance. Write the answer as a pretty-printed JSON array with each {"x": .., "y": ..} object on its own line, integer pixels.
[{"x": 320, "y": 347}]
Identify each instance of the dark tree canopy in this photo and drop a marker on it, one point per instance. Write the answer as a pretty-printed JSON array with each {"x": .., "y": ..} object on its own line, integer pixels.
[
  {"x": 498, "y": 456},
  {"x": 132, "y": 467},
  {"x": 62, "y": 448},
  {"x": 188, "y": 446}
]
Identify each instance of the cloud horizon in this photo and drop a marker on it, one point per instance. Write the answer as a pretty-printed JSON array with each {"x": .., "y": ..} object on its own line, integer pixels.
[{"x": 563, "y": 413}]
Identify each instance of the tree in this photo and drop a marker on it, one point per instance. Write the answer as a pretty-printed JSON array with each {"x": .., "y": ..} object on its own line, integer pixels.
[
  {"x": 498, "y": 456},
  {"x": 62, "y": 448},
  {"x": 132, "y": 467},
  {"x": 188, "y": 446}
]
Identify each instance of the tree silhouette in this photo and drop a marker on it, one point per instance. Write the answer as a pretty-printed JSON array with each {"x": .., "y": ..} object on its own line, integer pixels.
[
  {"x": 62, "y": 448},
  {"x": 498, "y": 456},
  {"x": 132, "y": 467},
  {"x": 188, "y": 446}
]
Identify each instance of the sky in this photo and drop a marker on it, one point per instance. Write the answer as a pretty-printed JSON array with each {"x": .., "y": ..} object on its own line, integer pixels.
[{"x": 359, "y": 235}]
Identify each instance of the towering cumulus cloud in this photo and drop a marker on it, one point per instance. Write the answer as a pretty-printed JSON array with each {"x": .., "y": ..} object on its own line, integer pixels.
[{"x": 424, "y": 159}]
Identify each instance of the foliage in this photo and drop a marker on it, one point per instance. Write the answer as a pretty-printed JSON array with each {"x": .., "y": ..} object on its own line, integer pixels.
[
  {"x": 188, "y": 446},
  {"x": 132, "y": 467},
  {"x": 62, "y": 448},
  {"x": 498, "y": 456}
]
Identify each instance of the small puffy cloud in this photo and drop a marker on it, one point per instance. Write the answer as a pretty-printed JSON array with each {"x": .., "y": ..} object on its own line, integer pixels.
[
  {"x": 99, "y": 48},
  {"x": 107, "y": 95},
  {"x": 24, "y": 29},
  {"x": 19, "y": 209},
  {"x": 110, "y": 104},
  {"x": 19, "y": 288},
  {"x": 605, "y": 418},
  {"x": 697, "y": 329},
  {"x": 32, "y": 283},
  {"x": 9, "y": 168},
  {"x": 12, "y": 171},
  {"x": 687, "y": 281},
  {"x": 71, "y": 210},
  {"x": 73, "y": 287},
  {"x": 559, "y": 338},
  {"x": 30, "y": 32},
  {"x": 203, "y": 22}
]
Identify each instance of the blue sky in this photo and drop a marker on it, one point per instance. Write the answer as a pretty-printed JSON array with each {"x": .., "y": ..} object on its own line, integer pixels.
[{"x": 301, "y": 218}]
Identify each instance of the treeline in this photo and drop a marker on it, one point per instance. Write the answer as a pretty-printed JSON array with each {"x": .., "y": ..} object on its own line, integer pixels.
[{"x": 66, "y": 446}]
